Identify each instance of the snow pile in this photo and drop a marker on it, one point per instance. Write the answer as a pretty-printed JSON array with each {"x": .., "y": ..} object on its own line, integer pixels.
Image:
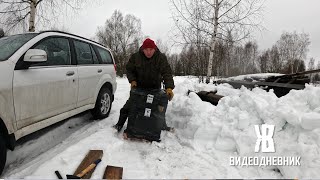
[
  {"x": 206, "y": 137},
  {"x": 229, "y": 127},
  {"x": 252, "y": 77}
]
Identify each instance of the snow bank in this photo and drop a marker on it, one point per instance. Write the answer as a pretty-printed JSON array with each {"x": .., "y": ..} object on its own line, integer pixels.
[
  {"x": 252, "y": 77},
  {"x": 229, "y": 127},
  {"x": 206, "y": 137}
]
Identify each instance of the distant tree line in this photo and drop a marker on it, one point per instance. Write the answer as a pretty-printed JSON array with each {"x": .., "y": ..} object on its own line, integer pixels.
[
  {"x": 123, "y": 35},
  {"x": 214, "y": 37},
  {"x": 313, "y": 66},
  {"x": 287, "y": 55}
]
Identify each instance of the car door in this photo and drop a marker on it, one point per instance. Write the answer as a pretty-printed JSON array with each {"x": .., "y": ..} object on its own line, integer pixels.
[
  {"x": 89, "y": 71},
  {"x": 46, "y": 89}
]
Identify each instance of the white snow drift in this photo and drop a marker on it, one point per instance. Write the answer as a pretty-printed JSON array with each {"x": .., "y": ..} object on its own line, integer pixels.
[{"x": 206, "y": 137}]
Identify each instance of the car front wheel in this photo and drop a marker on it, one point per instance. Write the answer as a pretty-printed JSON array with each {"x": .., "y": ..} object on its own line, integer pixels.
[
  {"x": 103, "y": 104},
  {"x": 3, "y": 154}
]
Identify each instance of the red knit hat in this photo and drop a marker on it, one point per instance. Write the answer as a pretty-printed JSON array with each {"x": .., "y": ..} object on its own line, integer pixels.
[{"x": 148, "y": 43}]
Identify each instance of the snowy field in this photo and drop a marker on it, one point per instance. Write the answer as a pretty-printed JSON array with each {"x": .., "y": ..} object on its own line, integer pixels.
[{"x": 206, "y": 137}]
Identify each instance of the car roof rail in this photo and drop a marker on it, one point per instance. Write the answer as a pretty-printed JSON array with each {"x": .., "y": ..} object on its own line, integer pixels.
[{"x": 73, "y": 35}]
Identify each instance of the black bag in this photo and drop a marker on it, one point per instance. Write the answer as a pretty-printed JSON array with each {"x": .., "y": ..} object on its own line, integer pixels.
[{"x": 146, "y": 113}]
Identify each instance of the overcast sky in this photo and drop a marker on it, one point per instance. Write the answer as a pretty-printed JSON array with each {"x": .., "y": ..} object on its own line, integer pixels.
[{"x": 280, "y": 16}]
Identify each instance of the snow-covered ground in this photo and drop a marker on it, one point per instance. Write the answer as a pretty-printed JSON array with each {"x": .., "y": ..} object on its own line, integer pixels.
[{"x": 206, "y": 137}]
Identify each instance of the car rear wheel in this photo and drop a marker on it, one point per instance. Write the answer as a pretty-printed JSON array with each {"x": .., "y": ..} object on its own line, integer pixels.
[
  {"x": 3, "y": 154},
  {"x": 103, "y": 104}
]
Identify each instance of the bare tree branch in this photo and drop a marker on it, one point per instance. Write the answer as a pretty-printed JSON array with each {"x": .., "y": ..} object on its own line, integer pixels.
[
  {"x": 229, "y": 8},
  {"x": 216, "y": 22},
  {"x": 46, "y": 12}
]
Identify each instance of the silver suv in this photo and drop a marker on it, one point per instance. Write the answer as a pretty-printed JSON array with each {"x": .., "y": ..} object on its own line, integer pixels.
[{"x": 47, "y": 77}]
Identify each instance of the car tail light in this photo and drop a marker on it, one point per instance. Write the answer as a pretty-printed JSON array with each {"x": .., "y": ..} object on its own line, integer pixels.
[{"x": 115, "y": 67}]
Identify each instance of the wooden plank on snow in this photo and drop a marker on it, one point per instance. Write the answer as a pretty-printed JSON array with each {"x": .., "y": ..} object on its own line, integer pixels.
[
  {"x": 113, "y": 172},
  {"x": 90, "y": 158}
]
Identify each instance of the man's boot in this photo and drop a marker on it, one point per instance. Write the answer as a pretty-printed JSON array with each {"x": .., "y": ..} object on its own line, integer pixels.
[{"x": 166, "y": 127}]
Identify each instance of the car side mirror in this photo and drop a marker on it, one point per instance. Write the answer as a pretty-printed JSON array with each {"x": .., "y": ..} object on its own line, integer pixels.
[{"x": 35, "y": 55}]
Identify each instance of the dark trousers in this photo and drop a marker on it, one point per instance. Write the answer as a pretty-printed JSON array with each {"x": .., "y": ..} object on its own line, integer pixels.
[{"x": 124, "y": 113}]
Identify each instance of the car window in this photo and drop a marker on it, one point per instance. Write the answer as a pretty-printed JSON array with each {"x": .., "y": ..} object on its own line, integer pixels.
[
  {"x": 83, "y": 52},
  {"x": 10, "y": 44},
  {"x": 95, "y": 58},
  {"x": 105, "y": 56},
  {"x": 58, "y": 51}
]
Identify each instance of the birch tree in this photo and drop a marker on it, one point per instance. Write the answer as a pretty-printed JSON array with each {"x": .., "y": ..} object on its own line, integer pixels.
[
  {"x": 217, "y": 18},
  {"x": 25, "y": 15}
]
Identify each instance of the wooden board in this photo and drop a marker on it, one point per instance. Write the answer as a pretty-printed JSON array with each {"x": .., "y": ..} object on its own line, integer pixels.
[
  {"x": 92, "y": 156},
  {"x": 113, "y": 172}
]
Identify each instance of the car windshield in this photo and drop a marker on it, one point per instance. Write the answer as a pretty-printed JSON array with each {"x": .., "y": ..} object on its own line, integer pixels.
[{"x": 10, "y": 44}]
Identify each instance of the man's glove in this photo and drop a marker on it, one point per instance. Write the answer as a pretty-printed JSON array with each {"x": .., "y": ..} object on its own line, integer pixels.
[
  {"x": 133, "y": 84},
  {"x": 169, "y": 93}
]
